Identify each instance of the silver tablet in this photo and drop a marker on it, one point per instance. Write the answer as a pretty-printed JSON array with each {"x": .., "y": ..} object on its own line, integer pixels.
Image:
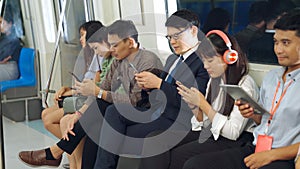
[{"x": 238, "y": 93}]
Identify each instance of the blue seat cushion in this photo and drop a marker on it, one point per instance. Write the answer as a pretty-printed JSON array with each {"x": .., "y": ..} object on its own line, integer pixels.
[{"x": 27, "y": 71}]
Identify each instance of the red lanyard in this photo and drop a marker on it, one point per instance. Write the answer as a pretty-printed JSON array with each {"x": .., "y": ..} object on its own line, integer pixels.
[{"x": 273, "y": 109}]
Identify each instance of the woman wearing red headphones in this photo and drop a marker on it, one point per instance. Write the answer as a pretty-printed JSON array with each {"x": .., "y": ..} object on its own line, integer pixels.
[{"x": 221, "y": 124}]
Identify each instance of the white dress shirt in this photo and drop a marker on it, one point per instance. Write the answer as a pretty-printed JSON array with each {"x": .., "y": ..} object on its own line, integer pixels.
[
  {"x": 185, "y": 56},
  {"x": 233, "y": 125}
]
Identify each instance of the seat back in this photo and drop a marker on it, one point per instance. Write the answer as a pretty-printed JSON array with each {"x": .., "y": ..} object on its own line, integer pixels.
[
  {"x": 26, "y": 69},
  {"x": 26, "y": 66}
]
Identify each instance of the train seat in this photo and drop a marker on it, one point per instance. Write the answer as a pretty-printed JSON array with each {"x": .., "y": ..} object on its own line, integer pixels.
[
  {"x": 24, "y": 91},
  {"x": 27, "y": 72}
]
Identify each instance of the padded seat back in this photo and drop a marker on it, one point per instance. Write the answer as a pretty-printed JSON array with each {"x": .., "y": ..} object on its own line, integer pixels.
[{"x": 27, "y": 71}]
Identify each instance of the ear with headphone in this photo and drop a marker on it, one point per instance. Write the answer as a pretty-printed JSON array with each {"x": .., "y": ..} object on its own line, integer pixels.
[{"x": 230, "y": 56}]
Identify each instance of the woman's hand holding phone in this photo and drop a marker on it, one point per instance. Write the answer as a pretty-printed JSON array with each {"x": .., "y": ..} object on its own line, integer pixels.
[{"x": 77, "y": 79}]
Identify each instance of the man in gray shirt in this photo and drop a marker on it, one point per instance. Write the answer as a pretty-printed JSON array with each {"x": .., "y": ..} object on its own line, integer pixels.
[{"x": 119, "y": 86}]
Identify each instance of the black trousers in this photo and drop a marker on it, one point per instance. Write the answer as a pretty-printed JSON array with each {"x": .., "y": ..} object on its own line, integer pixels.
[
  {"x": 231, "y": 159},
  {"x": 162, "y": 161},
  {"x": 89, "y": 125},
  {"x": 116, "y": 130},
  {"x": 182, "y": 154},
  {"x": 89, "y": 154}
]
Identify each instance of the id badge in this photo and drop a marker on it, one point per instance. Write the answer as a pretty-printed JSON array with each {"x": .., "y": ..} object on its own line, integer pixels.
[{"x": 264, "y": 143}]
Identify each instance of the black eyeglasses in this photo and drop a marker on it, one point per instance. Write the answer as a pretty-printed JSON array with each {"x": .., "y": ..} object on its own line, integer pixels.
[{"x": 176, "y": 36}]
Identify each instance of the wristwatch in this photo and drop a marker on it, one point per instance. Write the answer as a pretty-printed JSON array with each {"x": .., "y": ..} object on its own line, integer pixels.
[{"x": 100, "y": 93}]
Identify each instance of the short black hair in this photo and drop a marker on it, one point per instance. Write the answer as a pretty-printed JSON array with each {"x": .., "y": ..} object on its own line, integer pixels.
[
  {"x": 278, "y": 7},
  {"x": 8, "y": 17},
  {"x": 258, "y": 12},
  {"x": 182, "y": 19},
  {"x": 123, "y": 29},
  {"x": 92, "y": 27},
  {"x": 217, "y": 19},
  {"x": 289, "y": 21},
  {"x": 8, "y": 14},
  {"x": 99, "y": 36}
]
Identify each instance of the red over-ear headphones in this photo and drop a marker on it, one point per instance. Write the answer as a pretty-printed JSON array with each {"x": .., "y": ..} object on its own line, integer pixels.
[{"x": 230, "y": 56}]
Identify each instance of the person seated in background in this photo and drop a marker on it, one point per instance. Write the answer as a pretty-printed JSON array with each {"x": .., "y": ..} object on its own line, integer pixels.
[
  {"x": 256, "y": 26},
  {"x": 51, "y": 116},
  {"x": 124, "y": 47},
  {"x": 261, "y": 50},
  {"x": 217, "y": 18},
  {"x": 277, "y": 137},
  {"x": 98, "y": 42},
  {"x": 222, "y": 125},
  {"x": 10, "y": 48}
]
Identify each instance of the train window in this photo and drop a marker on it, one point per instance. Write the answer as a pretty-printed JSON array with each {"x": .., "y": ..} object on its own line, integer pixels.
[
  {"x": 238, "y": 10},
  {"x": 48, "y": 20},
  {"x": 74, "y": 16},
  {"x": 1, "y": 4},
  {"x": 171, "y": 7}
]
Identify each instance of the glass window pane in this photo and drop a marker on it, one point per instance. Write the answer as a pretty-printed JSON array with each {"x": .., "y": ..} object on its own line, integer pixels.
[
  {"x": 74, "y": 16},
  {"x": 238, "y": 10},
  {"x": 12, "y": 11},
  {"x": 48, "y": 19}
]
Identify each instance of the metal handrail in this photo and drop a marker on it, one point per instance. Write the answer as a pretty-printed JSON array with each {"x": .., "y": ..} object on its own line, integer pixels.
[
  {"x": 2, "y": 160},
  {"x": 59, "y": 31}
]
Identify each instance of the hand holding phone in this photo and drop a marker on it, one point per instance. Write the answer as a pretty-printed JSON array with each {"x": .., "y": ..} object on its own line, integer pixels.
[{"x": 75, "y": 76}]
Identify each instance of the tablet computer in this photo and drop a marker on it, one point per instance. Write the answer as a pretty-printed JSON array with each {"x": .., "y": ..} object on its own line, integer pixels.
[{"x": 238, "y": 93}]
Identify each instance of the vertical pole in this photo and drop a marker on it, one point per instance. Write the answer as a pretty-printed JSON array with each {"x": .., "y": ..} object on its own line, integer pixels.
[
  {"x": 61, "y": 17},
  {"x": 2, "y": 159}
]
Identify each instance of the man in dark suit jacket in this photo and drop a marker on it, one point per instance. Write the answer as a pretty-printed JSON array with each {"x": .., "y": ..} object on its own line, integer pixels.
[{"x": 168, "y": 111}]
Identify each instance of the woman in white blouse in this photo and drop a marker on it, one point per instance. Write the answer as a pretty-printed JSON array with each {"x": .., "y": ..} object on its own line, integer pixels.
[{"x": 222, "y": 124}]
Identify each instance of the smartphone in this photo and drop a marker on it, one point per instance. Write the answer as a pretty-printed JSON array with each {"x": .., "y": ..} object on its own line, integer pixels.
[
  {"x": 75, "y": 76},
  {"x": 61, "y": 101},
  {"x": 131, "y": 65}
]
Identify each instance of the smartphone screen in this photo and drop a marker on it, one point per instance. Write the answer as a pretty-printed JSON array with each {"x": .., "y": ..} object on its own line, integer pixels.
[{"x": 75, "y": 76}]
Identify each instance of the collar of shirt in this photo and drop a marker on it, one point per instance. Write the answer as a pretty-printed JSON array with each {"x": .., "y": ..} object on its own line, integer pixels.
[
  {"x": 188, "y": 53},
  {"x": 295, "y": 75},
  {"x": 185, "y": 56}
]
